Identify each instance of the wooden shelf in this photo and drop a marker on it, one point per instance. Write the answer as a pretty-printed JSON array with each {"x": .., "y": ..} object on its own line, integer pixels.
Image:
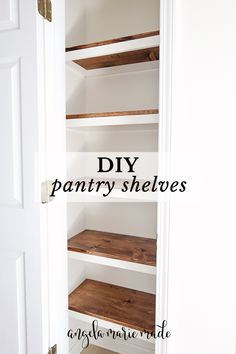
[
  {"x": 123, "y": 58},
  {"x": 145, "y": 116},
  {"x": 123, "y": 306},
  {"x": 112, "y": 114},
  {"x": 139, "y": 48},
  {"x": 114, "y": 40},
  {"x": 122, "y": 247}
]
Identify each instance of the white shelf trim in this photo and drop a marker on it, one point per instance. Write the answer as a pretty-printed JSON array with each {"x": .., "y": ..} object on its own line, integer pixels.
[
  {"x": 137, "y": 267},
  {"x": 105, "y": 324},
  {"x": 114, "y": 120},
  {"x": 113, "y": 70},
  {"x": 116, "y": 196},
  {"x": 107, "y": 49}
]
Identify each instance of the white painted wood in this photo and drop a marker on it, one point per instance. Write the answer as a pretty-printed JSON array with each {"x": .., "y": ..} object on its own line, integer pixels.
[
  {"x": 55, "y": 145},
  {"x": 116, "y": 195},
  {"x": 119, "y": 69},
  {"x": 118, "y": 345},
  {"x": 113, "y": 70},
  {"x": 33, "y": 304},
  {"x": 163, "y": 217},
  {"x": 23, "y": 296},
  {"x": 114, "y": 120},
  {"x": 11, "y": 194},
  {"x": 142, "y": 268},
  {"x": 105, "y": 324},
  {"x": 126, "y": 46},
  {"x": 9, "y": 16},
  {"x": 13, "y": 305}
]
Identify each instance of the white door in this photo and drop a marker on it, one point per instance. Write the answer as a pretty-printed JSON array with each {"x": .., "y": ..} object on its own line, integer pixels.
[{"x": 24, "y": 297}]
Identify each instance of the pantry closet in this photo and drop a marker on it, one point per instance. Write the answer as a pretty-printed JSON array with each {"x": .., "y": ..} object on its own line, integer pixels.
[{"x": 112, "y": 88}]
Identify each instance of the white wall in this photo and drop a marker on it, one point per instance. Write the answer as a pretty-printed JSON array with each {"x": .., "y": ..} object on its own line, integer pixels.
[
  {"x": 120, "y": 92},
  {"x": 137, "y": 219},
  {"x": 117, "y": 92},
  {"x": 75, "y": 92},
  {"x": 97, "y": 20},
  {"x": 75, "y": 22},
  {"x": 106, "y": 19},
  {"x": 202, "y": 297}
]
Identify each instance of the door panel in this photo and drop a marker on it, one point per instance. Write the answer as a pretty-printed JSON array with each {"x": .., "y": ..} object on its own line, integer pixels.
[
  {"x": 23, "y": 282},
  {"x": 33, "y": 272},
  {"x": 10, "y": 124},
  {"x": 9, "y": 15},
  {"x": 12, "y": 305}
]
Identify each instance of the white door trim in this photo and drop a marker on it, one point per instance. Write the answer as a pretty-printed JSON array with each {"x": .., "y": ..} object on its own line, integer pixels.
[
  {"x": 55, "y": 161},
  {"x": 165, "y": 109}
]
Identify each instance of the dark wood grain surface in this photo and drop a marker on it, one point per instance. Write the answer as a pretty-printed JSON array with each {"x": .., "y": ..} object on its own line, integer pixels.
[
  {"x": 123, "y": 306},
  {"x": 112, "y": 114},
  {"x": 124, "y": 58},
  {"x": 111, "y": 245},
  {"x": 114, "y": 40}
]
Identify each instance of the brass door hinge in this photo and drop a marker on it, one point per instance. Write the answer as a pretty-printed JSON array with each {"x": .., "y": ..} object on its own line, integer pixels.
[
  {"x": 53, "y": 350},
  {"x": 45, "y": 9}
]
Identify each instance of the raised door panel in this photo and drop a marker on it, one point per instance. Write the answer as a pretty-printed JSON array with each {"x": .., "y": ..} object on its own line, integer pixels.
[
  {"x": 12, "y": 303},
  {"x": 10, "y": 126},
  {"x": 9, "y": 18},
  {"x": 23, "y": 310}
]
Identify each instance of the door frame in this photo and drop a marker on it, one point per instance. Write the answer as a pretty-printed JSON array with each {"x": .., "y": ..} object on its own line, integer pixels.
[
  {"x": 55, "y": 167},
  {"x": 164, "y": 150}
]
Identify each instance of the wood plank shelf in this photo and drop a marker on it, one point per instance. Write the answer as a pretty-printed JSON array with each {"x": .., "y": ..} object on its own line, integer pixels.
[
  {"x": 117, "y": 59},
  {"x": 111, "y": 245},
  {"x": 114, "y": 40},
  {"x": 134, "y": 49},
  {"x": 112, "y": 114},
  {"x": 123, "y": 306},
  {"x": 143, "y": 116}
]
